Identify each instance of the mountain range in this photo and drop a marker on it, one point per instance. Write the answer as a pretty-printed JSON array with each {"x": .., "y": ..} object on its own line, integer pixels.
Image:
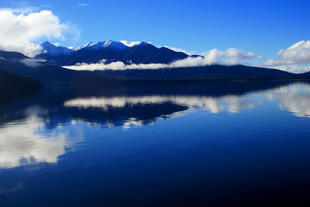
[
  {"x": 47, "y": 66},
  {"x": 49, "y": 74},
  {"x": 110, "y": 51}
]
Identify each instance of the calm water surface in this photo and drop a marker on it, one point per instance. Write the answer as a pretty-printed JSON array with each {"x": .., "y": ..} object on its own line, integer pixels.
[{"x": 181, "y": 144}]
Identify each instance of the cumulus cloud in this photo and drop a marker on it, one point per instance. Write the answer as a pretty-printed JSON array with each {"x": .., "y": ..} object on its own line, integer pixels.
[
  {"x": 20, "y": 27},
  {"x": 298, "y": 53},
  {"x": 294, "y": 59},
  {"x": 230, "y": 56}
]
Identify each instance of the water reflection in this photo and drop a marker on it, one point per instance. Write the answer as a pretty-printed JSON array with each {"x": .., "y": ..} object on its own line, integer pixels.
[
  {"x": 231, "y": 104},
  {"x": 294, "y": 98},
  {"x": 21, "y": 143},
  {"x": 29, "y": 128}
]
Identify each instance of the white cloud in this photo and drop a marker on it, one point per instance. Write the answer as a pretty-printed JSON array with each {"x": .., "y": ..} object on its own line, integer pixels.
[
  {"x": 294, "y": 68},
  {"x": 298, "y": 53},
  {"x": 230, "y": 56},
  {"x": 82, "y": 4},
  {"x": 130, "y": 44},
  {"x": 293, "y": 59},
  {"x": 20, "y": 27},
  {"x": 32, "y": 62}
]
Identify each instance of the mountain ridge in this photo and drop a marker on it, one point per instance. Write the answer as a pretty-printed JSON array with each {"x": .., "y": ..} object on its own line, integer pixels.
[
  {"x": 50, "y": 74},
  {"x": 110, "y": 51}
]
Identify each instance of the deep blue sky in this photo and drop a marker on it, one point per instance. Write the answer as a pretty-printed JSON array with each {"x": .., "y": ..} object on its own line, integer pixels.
[{"x": 262, "y": 26}]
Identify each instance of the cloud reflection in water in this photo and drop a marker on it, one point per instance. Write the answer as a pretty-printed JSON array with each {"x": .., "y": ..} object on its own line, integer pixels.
[
  {"x": 294, "y": 98},
  {"x": 228, "y": 103},
  {"x": 22, "y": 144},
  {"x": 36, "y": 139}
]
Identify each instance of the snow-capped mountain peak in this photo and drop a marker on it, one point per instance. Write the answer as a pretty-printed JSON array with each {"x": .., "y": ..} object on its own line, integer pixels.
[
  {"x": 51, "y": 49},
  {"x": 92, "y": 52},
  {"x": 104, "y": 45}
]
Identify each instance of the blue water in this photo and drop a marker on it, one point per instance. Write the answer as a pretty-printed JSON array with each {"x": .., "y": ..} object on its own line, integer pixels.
[{"x": 187, "y": 144}]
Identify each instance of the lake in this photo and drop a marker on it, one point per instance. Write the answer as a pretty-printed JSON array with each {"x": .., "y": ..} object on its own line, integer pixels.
[{"x": 158, "y": 144}]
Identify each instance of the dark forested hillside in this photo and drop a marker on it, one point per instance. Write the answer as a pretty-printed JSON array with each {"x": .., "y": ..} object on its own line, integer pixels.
[{"x": 13, "y": 87}]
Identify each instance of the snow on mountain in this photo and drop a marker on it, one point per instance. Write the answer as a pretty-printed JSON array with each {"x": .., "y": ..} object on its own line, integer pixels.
[
  {"x": 51, "y": 49},
  {"x": 112, "y": 51},
  {"x": 130, "y": 44},
  {"x": 105, "y": 44}
]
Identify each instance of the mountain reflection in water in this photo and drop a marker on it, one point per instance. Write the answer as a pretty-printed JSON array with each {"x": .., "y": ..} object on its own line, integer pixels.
[{"x": 27, "y": 136}]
